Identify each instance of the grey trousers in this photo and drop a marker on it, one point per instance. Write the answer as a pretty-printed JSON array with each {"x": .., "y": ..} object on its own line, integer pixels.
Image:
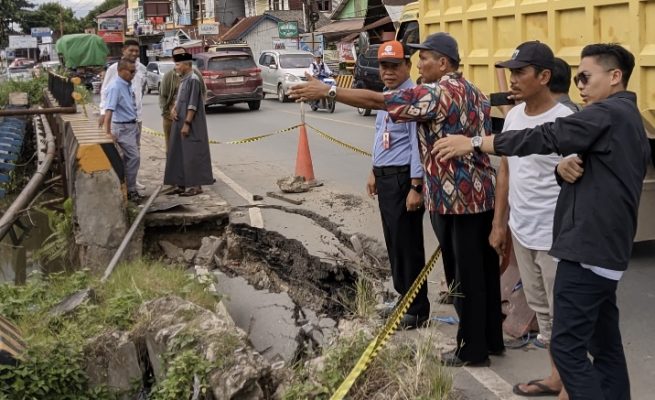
[{"x": 127, "y": 138}]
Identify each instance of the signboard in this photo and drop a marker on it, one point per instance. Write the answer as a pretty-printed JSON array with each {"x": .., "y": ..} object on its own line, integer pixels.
[
  {"x": 287, "y": 30},
  {"x": 111, "y": 36},
  {"x": 208, "y": 29},
  {"x": 346, "y": 51},
  {"x": 285, "y": 44},
  {"x": 22, "y": 42},
  {"x": 111, "y": 24},
  {"x": 41, "y": 32},
  {"x": 46, "y": 40}
]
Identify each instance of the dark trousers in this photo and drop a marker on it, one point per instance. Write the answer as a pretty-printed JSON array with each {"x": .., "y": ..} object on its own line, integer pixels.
[
  {"x": 403, "y": 235},
  {"x": 586, "y": 321},
  {"x": 465, "y": 249}
]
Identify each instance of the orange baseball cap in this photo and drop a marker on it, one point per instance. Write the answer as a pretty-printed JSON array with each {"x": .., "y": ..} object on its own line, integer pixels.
[{"x": 392, "y": 51}]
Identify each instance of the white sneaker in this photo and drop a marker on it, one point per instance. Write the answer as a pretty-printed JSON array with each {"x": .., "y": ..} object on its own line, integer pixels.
[{"x": 139, "y": 186}]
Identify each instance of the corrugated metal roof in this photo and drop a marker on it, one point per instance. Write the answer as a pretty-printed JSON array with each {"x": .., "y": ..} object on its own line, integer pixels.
[
  {"x": 114, "y": 12},
  {"x": 343, "y": 26},
  {"x": 244, "y": 26}
]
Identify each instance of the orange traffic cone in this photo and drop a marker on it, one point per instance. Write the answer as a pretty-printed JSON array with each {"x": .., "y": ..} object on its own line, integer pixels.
[{"x": 304, "y": 165}]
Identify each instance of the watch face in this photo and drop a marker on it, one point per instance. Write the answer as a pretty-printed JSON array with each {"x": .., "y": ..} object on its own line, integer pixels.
[{"x": 477, "y": 141}]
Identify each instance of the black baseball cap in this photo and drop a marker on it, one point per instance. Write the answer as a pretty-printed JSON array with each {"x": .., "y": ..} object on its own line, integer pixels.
[
  {"x": 530, "y": 53},
  {"x": 440, "y": 42}
]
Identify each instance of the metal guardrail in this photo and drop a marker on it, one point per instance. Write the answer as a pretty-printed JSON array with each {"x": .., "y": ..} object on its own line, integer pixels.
[{"x": 61, "y": 89}]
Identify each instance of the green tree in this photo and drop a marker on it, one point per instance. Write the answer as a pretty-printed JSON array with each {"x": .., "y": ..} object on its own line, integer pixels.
[
  {"x": 90, "y": 20},
  {"x": 52, "y": 15},
  {"x": 12, "y": 13}
]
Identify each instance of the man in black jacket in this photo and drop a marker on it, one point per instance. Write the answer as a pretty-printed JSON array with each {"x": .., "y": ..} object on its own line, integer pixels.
[{"x": 595, "y": 218}]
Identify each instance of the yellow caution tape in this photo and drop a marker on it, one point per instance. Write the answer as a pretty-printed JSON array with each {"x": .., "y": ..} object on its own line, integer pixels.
[
  {"x": 389, "y": 328},
  {"x": 339, "y": 142},
  {"x": 240, "y": 141}
]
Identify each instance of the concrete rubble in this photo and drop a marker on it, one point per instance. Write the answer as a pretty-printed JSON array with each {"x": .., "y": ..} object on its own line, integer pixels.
[{"x": 119, "y": 359}]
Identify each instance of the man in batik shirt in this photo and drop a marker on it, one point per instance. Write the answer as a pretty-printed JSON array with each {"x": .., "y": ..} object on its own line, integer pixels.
[{"x": 459, "y": 192}]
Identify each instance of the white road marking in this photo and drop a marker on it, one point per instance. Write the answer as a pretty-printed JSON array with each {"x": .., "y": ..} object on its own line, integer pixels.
[
  {"x": 493, "y": 382},
  {"x": 256, "y": 218}
]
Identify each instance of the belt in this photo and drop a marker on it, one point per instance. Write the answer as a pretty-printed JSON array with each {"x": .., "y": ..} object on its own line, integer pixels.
[
  {"x": 124, "y": 122},
  {"x": 392, "y": 170}
]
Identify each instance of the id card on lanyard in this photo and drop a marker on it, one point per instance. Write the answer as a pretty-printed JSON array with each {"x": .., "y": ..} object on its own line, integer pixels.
[{"x": 386, "y": 136}]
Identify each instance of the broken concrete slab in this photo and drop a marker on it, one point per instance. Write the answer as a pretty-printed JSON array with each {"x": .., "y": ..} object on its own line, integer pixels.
[
  {"x": 189, "y": 255},
  {"x": 239, "y": 373},
  {"x": 171, "y": 251},
  {"x": 267, "y": 317},
  {"x": 208, "y": 248},
  {"x": 70, "y": 303},
  {"x": 293, "y": 184},
  {"x": 124, "y": 368},
  {"x": 195, "y": 210}
]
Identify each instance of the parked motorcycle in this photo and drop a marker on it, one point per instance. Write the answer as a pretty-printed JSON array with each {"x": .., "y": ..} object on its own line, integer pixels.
[{"x": 327, "y": 103}]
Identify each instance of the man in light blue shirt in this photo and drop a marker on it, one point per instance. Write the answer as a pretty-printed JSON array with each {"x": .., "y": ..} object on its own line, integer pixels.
[
  {"x": 397, "y": 178},
  {"x": 121, "y": 123}
]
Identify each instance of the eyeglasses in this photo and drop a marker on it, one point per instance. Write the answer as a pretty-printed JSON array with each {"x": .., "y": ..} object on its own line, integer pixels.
[{"x": 583, "y": 77}]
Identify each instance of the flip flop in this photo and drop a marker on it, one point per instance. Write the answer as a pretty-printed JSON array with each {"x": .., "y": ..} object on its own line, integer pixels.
[{"x": 544, "y": 390}]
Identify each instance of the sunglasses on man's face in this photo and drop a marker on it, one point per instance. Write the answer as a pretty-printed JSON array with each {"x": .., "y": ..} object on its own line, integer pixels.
[{"x": 583, "y": 77}]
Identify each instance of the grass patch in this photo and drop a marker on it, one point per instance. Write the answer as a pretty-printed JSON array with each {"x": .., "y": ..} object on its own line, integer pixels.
[
  {"x": 407, "y": 370},
  {"x": 53, "y": 365},
  {"x": 362, "y": 302},
  {"x": 33, "y": 87}
]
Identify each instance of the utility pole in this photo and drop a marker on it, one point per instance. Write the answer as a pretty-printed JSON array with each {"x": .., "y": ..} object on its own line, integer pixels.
[{"x": 202, "y": 21}]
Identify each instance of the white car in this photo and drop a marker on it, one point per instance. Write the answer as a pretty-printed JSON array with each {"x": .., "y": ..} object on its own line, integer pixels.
[
  {"x": 282, "y": 69},
  {"x": 155, "y": 72}
]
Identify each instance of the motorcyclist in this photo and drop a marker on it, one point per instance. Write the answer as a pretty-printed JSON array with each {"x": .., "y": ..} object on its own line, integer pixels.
[
  {"x": 321, "y": 71},
  {"x": 318, "y": 68}
]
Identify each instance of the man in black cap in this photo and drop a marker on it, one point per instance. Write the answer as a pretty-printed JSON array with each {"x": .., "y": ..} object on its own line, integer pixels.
[
  {"x": 526, "y": 194},
  {"x": 459, "y": 193}
]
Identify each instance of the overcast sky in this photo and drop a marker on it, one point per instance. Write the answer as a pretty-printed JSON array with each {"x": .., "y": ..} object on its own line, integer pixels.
[{"x": 81, "y": 7}]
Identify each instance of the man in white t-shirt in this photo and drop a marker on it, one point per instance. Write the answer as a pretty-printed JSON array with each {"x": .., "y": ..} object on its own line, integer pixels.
[{"x": 527, "y": 186}]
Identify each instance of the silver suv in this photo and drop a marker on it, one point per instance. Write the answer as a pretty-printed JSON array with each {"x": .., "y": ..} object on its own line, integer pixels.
[
  {"x": 282, "y": 69},
  {"x": 156, "y": 71}
]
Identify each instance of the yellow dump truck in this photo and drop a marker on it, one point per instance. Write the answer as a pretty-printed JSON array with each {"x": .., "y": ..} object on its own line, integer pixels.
[{"x": 488, "y": 31}]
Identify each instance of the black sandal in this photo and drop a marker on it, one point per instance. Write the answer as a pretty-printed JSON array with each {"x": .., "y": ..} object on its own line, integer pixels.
[{"x": 543, "y": 389}]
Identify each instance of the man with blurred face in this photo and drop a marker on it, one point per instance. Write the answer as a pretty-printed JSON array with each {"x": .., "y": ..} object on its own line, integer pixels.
[
  {"x": 188, "y": 162},
  {"x": 396, "y": 178},
  {"x": 595, "y": 218},
  {"x": 167, "y": 92}
]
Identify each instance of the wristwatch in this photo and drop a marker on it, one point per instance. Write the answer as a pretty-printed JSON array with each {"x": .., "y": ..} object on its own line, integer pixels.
[
  {"x": 332, "y": 93},
  {"x": 476, "y": 142},
  {"x": 417, "y": 188}
]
